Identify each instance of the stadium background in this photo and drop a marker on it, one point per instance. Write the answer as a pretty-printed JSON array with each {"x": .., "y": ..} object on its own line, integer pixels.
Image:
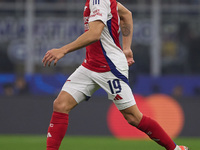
[{"x": 166, "y": 45}]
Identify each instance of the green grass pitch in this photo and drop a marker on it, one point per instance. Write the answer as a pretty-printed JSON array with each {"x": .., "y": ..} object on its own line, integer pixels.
[{"x": 35, "y": 142}]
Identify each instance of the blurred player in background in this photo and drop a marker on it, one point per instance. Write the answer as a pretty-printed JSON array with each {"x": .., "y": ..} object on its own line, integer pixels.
[{"x": 105, "y": 66}]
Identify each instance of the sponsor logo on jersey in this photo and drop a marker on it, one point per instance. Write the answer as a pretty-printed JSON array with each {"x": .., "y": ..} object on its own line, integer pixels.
[
  {"x": 86, "y": 26},
  {"x": 96, "y": 13}
]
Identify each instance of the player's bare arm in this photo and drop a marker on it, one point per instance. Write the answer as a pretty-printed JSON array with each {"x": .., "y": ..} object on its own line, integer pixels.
[
  {"x": 126, "y": 24},
  {"x": 87, "y": 38}
]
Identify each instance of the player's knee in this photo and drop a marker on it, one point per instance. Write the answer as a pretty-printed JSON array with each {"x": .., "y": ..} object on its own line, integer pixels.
[
  {"x": 133, "y": 120},
  {"x": 61, "y": 106}
]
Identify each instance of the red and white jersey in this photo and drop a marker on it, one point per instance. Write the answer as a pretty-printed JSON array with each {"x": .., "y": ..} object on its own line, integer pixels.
[{"x": 105, "y": 54}]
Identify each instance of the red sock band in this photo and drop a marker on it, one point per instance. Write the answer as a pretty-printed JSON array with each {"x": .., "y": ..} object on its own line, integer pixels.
[
  {"x": 57, "y": 129},
  {"x": 156, "y": 133}
]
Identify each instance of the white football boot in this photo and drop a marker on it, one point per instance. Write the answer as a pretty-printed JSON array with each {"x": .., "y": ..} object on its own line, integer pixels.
[{"x": 181, "y": 148}]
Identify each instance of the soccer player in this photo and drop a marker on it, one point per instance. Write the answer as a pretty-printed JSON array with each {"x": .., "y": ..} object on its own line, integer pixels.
[{"x": 105, "y": 66}]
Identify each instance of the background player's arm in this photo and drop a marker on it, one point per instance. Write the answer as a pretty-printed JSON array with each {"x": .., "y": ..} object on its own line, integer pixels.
[
  {"x": 126, "y": 24},
  {"x": 87, "y": 38}
]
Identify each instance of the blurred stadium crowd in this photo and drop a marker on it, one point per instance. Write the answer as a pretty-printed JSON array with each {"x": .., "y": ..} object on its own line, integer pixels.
[
  {"x": 123, "y": 1},
  {"x": 180, "y": 37}
]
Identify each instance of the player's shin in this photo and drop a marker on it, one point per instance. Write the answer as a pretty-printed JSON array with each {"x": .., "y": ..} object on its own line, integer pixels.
[
  {"x": 56, "y": 131},
  {"x": 156, "y": 133}
]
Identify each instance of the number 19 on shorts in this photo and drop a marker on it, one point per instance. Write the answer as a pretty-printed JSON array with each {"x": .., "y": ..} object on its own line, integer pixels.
[{"x": 115, "y": 86}]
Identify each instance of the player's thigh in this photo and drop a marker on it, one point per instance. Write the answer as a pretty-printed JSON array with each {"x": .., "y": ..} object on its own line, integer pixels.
[
  {"x": 80, "y": 85},
  {"x": 64, "y": 102}
]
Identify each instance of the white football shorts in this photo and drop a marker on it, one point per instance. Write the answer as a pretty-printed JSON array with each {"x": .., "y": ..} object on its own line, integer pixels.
[{"x": 84, "y": 82}]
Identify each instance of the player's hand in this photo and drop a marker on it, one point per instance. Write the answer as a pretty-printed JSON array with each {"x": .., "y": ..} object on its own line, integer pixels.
[
  {"x": 52, "y": 55},
  {"x": 129, "y": 56}
]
